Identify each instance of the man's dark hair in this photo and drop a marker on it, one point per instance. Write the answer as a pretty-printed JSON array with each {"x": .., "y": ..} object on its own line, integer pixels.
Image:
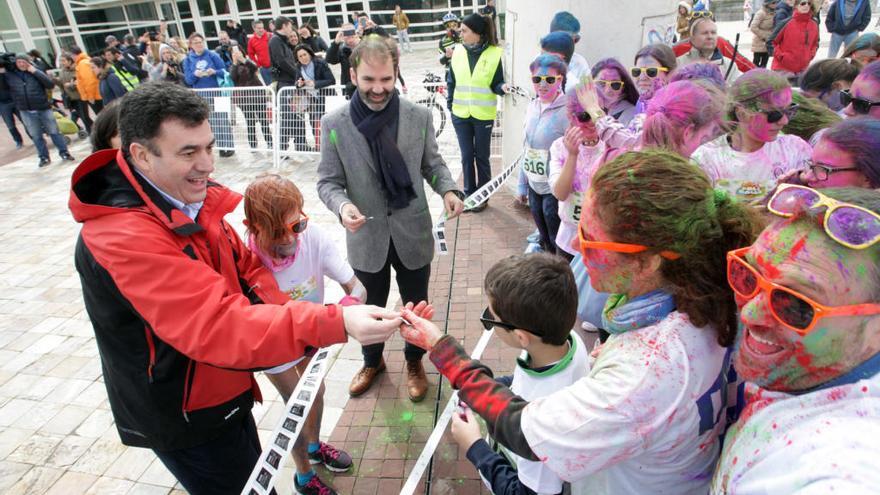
[
  {"x": 128, "y": 39},
  {"x": 535, "y": 292},
  {"x": 144, "y": 109},
  {"x": 375, "y": 47},
  {"x": 75, "y": 49},
  {"x": 281, "y": 21},
  {"x": 115, "y": 51},
  {"x": 254, "y": 24}
]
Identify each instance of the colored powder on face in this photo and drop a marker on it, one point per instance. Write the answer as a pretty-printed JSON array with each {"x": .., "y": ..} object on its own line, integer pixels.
[{"x": 333, "y": 140}]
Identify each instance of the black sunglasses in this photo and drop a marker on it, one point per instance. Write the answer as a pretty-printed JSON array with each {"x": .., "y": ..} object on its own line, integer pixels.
[
  {"x": 860, "y": 105},
  {"x": 651, "y": 72},
  {"x": 489, "y": 323},
  {"x": 776, "y": 115}
]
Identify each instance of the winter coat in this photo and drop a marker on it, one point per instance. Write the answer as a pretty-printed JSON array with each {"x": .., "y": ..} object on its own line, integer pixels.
[
  {"x": 86, "y": 80},
  {"x": 207, "y": 60},
  {"x": 29, "y": 90},
  {"x": 783, "y": 11},
  {"x": 401, "y": 22},
  {"x": 796, "y": 44},
  {"x": 835, "y": 23},
  {"x": 682, "y": 22},
  {"x": 69, "y": 76},
  {"x": 315, "y": 42},
  {"x": 181, "y": 309},
  {"x": 339, "y": 53},
  {"x": 258, "y": 50},
  {"x": 762, "y": 28},
  {"x": 111, "y": 87},
  {"x": 285, "y": 68}
]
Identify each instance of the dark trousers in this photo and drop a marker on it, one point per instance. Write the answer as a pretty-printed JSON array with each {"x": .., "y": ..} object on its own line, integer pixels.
[
  {"x": 9, "y": 113},
  {"x": 545, "y": 212},
  {"x": 761, "y": 59},
  {"x": 413, "y": 287},
  {"x": 474, "y": 138},
  {"x": 97, "y": 106},
  {"x": 221, "y": 466},
  {"x": 83, "y": 111}
]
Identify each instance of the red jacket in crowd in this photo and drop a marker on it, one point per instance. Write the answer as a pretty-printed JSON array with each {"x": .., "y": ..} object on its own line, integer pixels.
[
  {"x": 796, "y": 44},
  {"x": 182, "y": 310},
  {"x": 726, "y": 50},
  {"x": 258, "y": 49}
]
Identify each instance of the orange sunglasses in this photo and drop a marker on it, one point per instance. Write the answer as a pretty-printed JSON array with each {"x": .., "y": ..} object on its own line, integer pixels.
[
  {"x": 618, "y": 247},
  {"x": 299, "y": 226},
  {"x": 789, "y": 307}
]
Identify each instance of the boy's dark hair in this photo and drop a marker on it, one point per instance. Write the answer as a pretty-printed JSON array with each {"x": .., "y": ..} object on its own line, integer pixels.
[
  {"x": 535, "y": 292},
  {"x": 143, "y": 110},
  {"x": 105, "y": 127}
]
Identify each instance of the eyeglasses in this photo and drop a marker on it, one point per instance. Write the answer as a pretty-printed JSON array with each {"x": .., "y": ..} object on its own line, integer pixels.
[
  {"x": 776, "y": 115},
  {"x": 801, "y": 4},
  {"x": 650, "y": 71},
  {"x": 549, "y": 79},
  {"x": 299, "y": 226},
  {"x": 821, "y": 171},
  {"x": 615, "y": 85},
  {"x": 789, "y": 307},
  {"x": 860, "y": 105},
  {"x": 850, "y": 225},
  {"x": 489, "y": 323},
  {"x": 617, "y": 247}
]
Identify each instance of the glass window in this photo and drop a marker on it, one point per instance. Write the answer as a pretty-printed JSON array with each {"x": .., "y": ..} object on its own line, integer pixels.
[
  {"x": 210, "y": 29},
  {"x": 6, "y": 21},
  {"x": 66, "y": 41},
  {"x": 183, "y": 10},
  {"x": 204, "y": 7},
  {"x": 99, "y": 16},
  {"x": 141, "y": 12},
  {"x": 244, "y": 6},
  {"x": 14, "y": 46},
  {"x": 46, "y": 50},
  {"x": 31, "y": 14},
  {"x": 221, "y": 7},
  {"x": 57, "y": 13},
  {"x": 262, "y": 4}
]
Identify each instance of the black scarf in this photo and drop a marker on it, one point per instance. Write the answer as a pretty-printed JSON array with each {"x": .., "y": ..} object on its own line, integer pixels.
[{"x": 376, "y": 129}]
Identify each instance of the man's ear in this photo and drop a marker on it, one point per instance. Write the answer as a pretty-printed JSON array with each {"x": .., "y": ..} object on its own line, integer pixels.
[
  {"x": 353, "y": 75},
  {"x": 141, "y": 157}
]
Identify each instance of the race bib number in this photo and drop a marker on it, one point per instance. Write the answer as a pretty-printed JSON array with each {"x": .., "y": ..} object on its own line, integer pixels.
[
  {"x": 536, "y": 164},
  {"x": 572, "y": 208}
]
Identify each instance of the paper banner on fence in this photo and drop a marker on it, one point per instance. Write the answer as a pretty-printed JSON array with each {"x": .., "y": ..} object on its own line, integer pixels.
[
  {"x": 223, "y": 104},
  {"x": 333, "y": 102},
  {"x": 476, "y": 199},
  {"x": 288, "y": 428}
]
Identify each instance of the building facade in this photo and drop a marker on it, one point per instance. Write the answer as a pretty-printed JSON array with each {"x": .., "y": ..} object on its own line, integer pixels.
[{"x": 51, "y": 25}]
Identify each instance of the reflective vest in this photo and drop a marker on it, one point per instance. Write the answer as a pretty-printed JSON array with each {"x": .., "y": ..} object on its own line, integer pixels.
[
  {"x": 473, "y": 96},
  {"x": 129, "y": 81}
]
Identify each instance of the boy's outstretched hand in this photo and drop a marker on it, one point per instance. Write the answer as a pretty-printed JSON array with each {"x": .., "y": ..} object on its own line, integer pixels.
[
  {"x": 465, "y": 428},
  {"x": 417, "y": 328}
]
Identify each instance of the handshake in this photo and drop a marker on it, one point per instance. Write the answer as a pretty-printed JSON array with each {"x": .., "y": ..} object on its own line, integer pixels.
[{"x": 372, "y": 324}]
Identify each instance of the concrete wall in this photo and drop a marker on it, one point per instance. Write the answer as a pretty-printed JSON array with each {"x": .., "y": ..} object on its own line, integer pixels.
[{"x": 609, "y": 28}]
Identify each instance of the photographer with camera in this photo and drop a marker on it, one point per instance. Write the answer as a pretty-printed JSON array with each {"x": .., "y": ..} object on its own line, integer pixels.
[
  {"x": 339, "y": 53},
  {"x": 28, "y": 86}
]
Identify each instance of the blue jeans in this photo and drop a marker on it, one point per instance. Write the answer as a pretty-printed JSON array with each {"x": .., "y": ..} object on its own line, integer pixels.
[
  {"x": 266, "y": 74},
  {"x": 9, "y": 112},
  {"x": 474, "y": 138},
  {"x": 840, "y": 39},
  {"x": 39, "y": 121},
  {"x": 545, "y": 212},
  {"x": 220, "y": 466}
]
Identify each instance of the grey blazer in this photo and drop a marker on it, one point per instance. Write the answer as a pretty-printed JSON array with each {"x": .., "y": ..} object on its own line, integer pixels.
[{"x": 347, "y": 174}]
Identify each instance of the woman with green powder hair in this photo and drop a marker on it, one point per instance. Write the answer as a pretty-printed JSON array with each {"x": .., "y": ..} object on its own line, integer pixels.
[{"x": 647, "y": 418}]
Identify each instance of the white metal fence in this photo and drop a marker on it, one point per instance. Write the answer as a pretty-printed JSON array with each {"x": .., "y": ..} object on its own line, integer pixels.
[{"x": 287, "y": 122}]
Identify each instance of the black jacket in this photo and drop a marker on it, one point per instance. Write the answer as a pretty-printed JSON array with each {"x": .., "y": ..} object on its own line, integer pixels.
[
  {"x": 339, "y": 53},
  {"x": 316, "y": 43},
  {"x": 834, "y": 21},
  {"x": 238, "y": 34},
  {"x": 284, "y": 66},
  {"x": 323, "y": 74},
  {"x": 29, "y": 90}
]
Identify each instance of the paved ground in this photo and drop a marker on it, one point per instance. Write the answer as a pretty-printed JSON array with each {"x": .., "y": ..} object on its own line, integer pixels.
[{"x": 56, "y": 430}]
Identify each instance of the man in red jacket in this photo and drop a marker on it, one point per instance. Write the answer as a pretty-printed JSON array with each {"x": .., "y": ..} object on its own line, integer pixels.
[
  {"x": 182, "y": 311},
  {"x": 796, "y": 41},
  {"x": 258, "y": 50}
]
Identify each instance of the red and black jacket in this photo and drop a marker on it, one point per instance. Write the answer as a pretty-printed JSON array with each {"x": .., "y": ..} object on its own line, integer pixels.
[{"x": 176, "y": 308}]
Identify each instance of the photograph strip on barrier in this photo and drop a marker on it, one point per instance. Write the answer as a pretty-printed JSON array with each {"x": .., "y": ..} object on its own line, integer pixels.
[
  {"x": 288, "y": 428},
  {"x": 412, "y": 481},
  {"x": 476, "y": 199}
]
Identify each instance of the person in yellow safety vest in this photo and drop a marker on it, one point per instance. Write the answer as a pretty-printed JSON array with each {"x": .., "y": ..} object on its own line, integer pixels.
[
  {"x": 125, "y": 70},
  {"x": 475, "y": 78}
]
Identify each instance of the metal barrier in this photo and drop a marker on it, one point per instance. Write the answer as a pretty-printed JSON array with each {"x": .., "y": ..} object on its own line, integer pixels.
[
  {"x": 288, "y": 121},
  {"x": 241, "y": 117}
]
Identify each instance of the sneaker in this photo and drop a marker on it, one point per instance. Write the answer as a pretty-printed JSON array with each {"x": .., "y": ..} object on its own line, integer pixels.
[
  {"x": 332, "y": 458},
  {"x": 19, "y": 146},
  {"x": 68, "y": 157},
  {"x": 43, "y": 162},
  {"x": 534, "y": 237},
  {"x": 314, "y": 487}
]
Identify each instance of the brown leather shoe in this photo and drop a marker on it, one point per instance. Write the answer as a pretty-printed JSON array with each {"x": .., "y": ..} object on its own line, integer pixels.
[
  {"x": 416, "y": 381},
  {"x": 364, "y": 379}
]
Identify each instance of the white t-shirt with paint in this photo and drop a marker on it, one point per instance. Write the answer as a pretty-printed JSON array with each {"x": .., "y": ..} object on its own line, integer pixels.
[
  {"x": 577, "y": 68},
  {"x": 826, "y": 441},
  {"x": 303, "y": 280},
  {"x": 646, "y": 419},
  {"x": 589, "y": 159},
  {"x": 750, "y": 176}
]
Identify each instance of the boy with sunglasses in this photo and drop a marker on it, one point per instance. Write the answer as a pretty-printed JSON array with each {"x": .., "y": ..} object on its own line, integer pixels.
[
  {"x": 299, "y": 256},
  {"x": 809, "y": 348},
  {"x": 532, "y": 305}
]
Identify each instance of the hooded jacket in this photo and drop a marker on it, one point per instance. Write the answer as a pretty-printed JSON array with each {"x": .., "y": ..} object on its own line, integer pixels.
[
  {"x": 176, "y": 307},
  {"x": 86, "y": 80},
  {"x": 29, "y": 90},
  {"x": 723, "y": 48},
  {"x": 258, "y": 49},
  {"x": 204, "y": 61},
  {"x": 796, "y": 44},
  {"x": 836, "y": 23}
]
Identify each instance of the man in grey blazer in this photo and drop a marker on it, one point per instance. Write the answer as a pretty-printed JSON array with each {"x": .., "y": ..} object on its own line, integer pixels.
[{"x": 376, "y": 154}]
